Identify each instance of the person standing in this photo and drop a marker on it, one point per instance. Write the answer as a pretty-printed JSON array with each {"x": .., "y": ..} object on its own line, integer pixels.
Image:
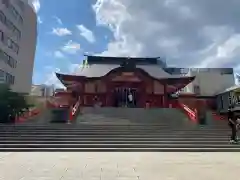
[
  {"x": 95, "y": 100},
  {"x": 130, "y": 99},
  {"x": 233, "y": 125}
]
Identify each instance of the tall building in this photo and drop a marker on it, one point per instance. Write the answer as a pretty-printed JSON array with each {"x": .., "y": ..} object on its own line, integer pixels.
[
  {"x": 18, "y": 36},
  {"x": 42, "y": 90}
]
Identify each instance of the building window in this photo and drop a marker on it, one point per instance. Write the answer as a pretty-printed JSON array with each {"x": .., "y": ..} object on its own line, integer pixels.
[
  {"x": 6, "y": 78},
  {"x": 222, "y": 102},
  {"x": 2, "y": 17},
  {"x": 12, "y": 10},
  {"x": 10, "y": 79},
  {"x": 15, "y": 14},
  {"x": 8, "y": 59},
  {"x": 9, "y": 42},
  {"x": 10, "y": 25},
  {"x": 1, "y": 35},
  {"x": 6, "y": 2},
  {"x": 196, "y": 89},
  {"x": 5, "y": 58},
  {"x": 20, "y": 5},
  {"x": 2, "y": 76},
  {"x": 12, "y": 62}
]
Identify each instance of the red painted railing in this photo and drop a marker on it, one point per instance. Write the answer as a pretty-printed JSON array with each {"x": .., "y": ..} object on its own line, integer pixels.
[
  {"x": 27, "y": 115},
  {"x": 192, "y": 115},
  {"x": 74, "y": 110}
]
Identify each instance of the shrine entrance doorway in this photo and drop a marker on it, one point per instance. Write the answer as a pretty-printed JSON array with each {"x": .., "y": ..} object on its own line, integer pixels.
[{"x": 125, "y": 97}]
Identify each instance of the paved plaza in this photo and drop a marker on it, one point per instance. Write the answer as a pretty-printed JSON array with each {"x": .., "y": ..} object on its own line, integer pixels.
[{"x": 119, "y": 166}]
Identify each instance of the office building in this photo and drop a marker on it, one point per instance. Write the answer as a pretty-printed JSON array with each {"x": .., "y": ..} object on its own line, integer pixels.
[
  {"x": 210, "y": 81},
  {"x": 18, "y": 36}
]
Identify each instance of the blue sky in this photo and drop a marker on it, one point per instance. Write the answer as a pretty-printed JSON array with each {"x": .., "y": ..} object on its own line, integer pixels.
[
  {"x": 185, "y": 33},
  {"x": 65, "y": 33}
]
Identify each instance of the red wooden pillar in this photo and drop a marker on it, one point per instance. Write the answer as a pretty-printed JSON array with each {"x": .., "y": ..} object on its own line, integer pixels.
[
  {"x": 108, "y": 93},
  {"x": 164, "y": 95},
  {"x": 70, "y": 113},
  {"x": 142, "y": 95}
]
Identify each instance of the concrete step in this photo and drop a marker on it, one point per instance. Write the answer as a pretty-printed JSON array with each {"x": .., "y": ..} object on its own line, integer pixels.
[
  {"x": 116, "y": 131},
  {"x": 110, "y": 128},
  {"x": 117, "y": 135},
  {"x": 112, "y": 134},
  {"x": 67, "y": 126},
  {"x": 71, "y": 126},
  {"x": 119, "y": 129},
  {"x": 163, "y": 149},
  {"x": 116, "y": 139},
  {"x": 113, "y": 128},
  {"x": 103, "y": 131},
  {"x": 119, "y": 146},
  {"x": 113, "y": 142}
]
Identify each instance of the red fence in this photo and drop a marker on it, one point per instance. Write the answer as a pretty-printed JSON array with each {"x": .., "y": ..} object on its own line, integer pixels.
[
  {"x": 190, "y": 113},
  {"x": 27, "y": 115}
]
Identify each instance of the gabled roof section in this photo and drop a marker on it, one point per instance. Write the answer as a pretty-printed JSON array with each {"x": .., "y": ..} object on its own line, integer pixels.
[
  {"x": 235, "y": 88},
  {"x": 97, "y": 67},
  {"x": 96, "y": 70},
  {"x": 100, "y": 70},
  {"x": 157, "y": 72}
]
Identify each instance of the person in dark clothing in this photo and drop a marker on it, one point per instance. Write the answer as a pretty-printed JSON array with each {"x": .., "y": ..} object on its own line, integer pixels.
[{"x": 232, "y": 124}]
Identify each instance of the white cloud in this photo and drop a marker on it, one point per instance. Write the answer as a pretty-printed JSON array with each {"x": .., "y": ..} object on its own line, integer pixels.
[
  {"x": 86, "y": 33},
  {"x": 58, "y": 54},
  {"x": 71, "y": 47},
  {"x": 35, "y": 4},
  {"x": 50, "y": 76},
  {"x": 39, "y": 20},
  {"x": 61, "y": 31},
  {"x": 187, "y": 32},
  {"x": 59, "y": 21}
]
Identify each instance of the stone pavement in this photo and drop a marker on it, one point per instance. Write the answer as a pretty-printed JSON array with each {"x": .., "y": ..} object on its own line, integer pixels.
[{"x": 118, "y": 166}]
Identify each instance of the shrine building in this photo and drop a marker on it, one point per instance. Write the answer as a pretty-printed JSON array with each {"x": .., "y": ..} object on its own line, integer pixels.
[{"x": 109, "y": 80}]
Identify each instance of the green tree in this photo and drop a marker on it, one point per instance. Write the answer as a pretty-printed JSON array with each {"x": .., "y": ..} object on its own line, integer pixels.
[{"x": 12, "y": 104}]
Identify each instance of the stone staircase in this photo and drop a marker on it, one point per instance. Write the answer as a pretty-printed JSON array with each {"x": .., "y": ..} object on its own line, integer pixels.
[
  {"x": 130, "y": 116},
  {"x": 109, "y": 129}
]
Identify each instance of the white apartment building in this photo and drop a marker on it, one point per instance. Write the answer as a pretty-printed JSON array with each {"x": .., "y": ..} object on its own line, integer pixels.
[
  {"x": 42, "y": 90},
  {"x": 210, "y": 81},
  {"x": 18, "y": 36}
]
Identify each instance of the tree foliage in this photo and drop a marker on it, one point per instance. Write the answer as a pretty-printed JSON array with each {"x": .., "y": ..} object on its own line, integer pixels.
[{"x": 12, "y": 104}]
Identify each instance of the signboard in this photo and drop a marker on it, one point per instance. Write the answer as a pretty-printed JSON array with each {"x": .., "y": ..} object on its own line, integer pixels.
[
  {"x": 234, "y": 98},
  {"x": 127, "y": 77},
  {"x": 127, "y": 74}
]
